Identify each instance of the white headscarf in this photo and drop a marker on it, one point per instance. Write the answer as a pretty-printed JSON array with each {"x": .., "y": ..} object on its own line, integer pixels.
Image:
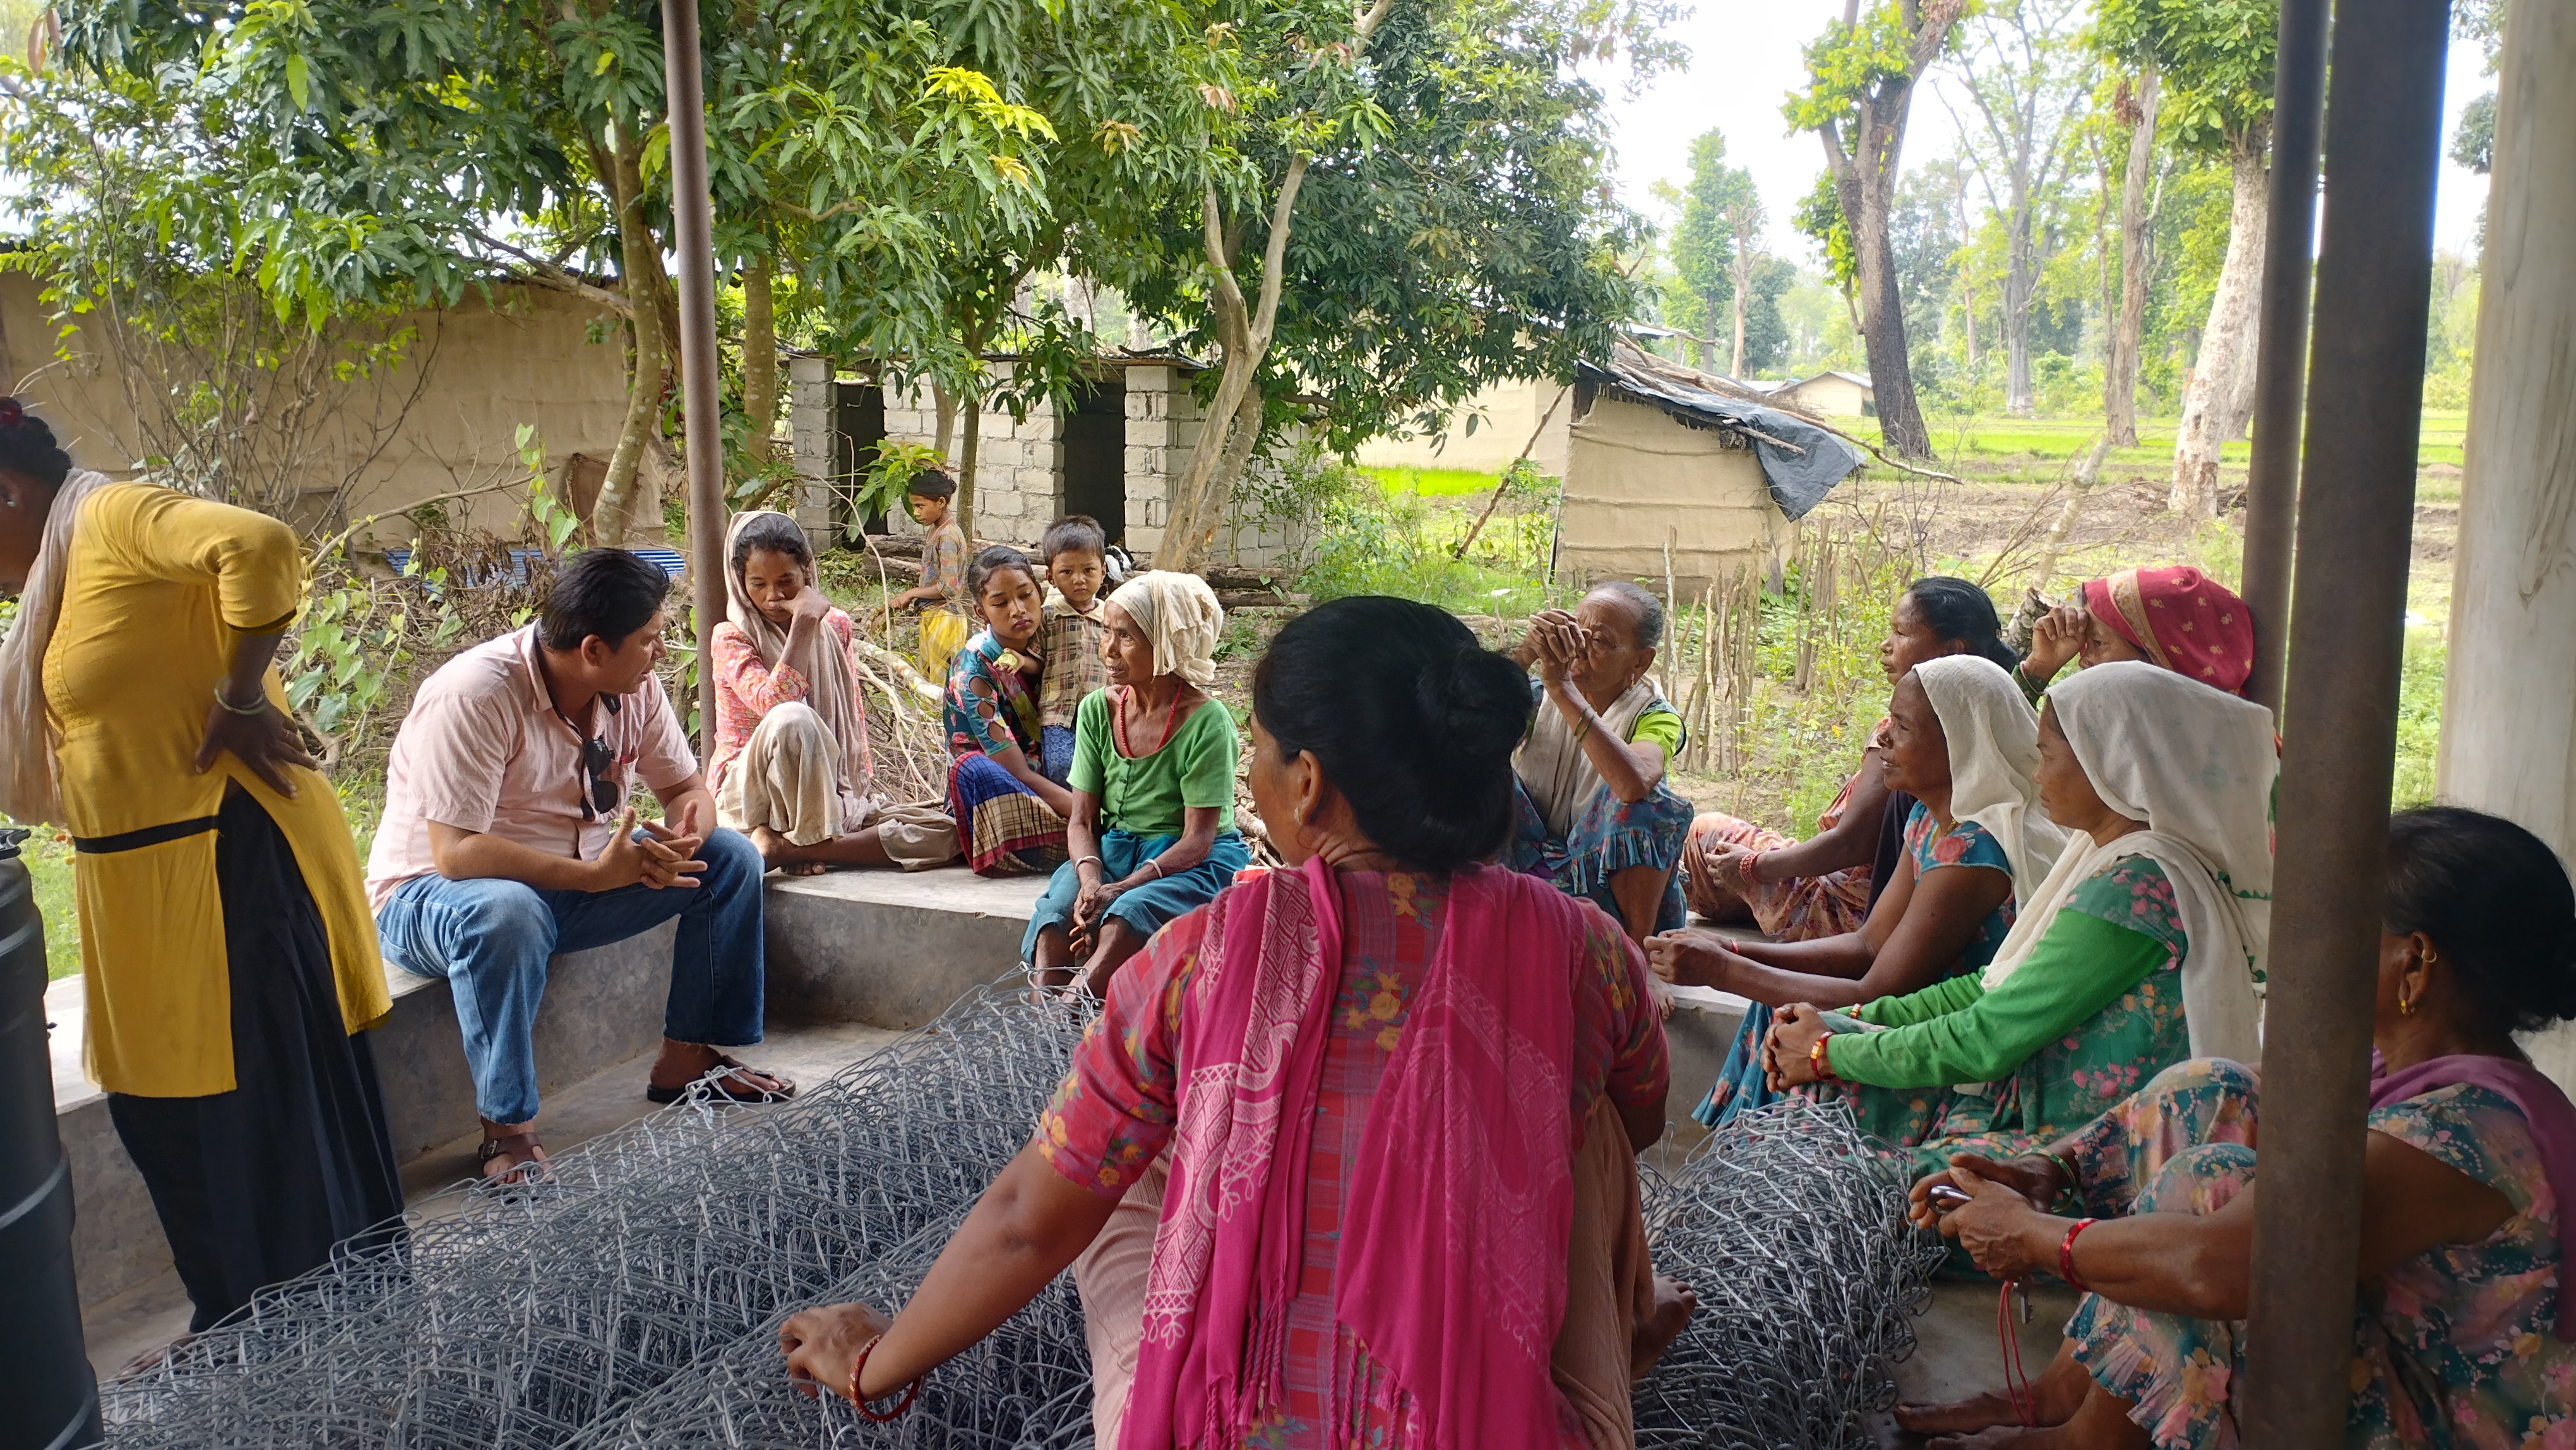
[
  {"x": 2197, "y": 766},
  {"x": 1993, "y": 737},
  {"x": 833, "y": 689},
  {"x": 1179, "y": 613},
  {"x": 28, "y": 792}
]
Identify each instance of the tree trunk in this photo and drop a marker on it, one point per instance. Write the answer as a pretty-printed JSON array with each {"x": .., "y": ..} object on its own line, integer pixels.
[
  {"x": 1243, "y": 333},
  {"x": 1882, "y": 320},
  {"x": 974, "y": 423},
  {"x": 1706, "y": 347},
  {"x": 1968, "y": 304},
  {"x": 2221, "y": 373},
  {"x": 759, "y": 358},
  {"x": 1743, "y": 265},
  {"x": 2120, "y": 372},
  {"x": 640, "y": 262},
  {"x": 2019, "y": 284},
  {"x": 1243, "y": 336},
  {"x": 943, "y": 407}
]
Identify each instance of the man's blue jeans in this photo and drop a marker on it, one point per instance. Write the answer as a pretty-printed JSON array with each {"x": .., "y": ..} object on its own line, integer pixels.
[{"x": 491, "y": 939}]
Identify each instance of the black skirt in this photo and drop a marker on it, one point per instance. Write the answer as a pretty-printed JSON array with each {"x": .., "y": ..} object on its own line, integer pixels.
[{"x": 255, "y": 1186}]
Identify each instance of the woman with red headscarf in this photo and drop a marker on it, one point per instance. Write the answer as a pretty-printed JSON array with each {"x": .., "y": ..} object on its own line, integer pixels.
[{"x": 2174, "y": 618}]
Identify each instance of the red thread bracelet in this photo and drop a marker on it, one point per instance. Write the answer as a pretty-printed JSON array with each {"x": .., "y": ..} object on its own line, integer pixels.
[
  {"x": 1823, "y": 1064},
  {"x": 871, "y": 1416},
  {"x": 2066, "y": 1257}
]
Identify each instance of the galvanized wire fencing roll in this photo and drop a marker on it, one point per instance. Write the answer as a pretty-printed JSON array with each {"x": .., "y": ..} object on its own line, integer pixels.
[
  {"x": 633, "y": 1302},
  {"x": 1794, "y": 1238},
  {"x": 521, "y": 1319}
]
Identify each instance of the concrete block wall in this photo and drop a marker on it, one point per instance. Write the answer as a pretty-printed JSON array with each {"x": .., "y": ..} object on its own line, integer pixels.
[
  {"x": 1019, "y": 466},
  {"x": 809, "y": 425}
]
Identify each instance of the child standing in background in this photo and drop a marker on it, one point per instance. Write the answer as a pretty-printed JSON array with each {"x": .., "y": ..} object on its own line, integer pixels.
[
  {"x": 1069, "y": 639},
  {"x": 942, "y": 590}
]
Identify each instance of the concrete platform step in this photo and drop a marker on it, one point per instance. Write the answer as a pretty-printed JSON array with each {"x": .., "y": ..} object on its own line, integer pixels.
[{"x": 858, "y": 950}]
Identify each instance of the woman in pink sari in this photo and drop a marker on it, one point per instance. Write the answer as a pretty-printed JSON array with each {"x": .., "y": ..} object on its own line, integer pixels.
[{"x": 1349, "y": 1154}]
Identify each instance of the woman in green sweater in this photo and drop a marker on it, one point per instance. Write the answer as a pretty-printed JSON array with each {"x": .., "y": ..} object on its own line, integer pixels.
[{"x": 2140, "y": 950}]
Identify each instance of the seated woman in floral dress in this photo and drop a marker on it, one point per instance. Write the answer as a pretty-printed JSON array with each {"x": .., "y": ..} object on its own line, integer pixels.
[
  {"x": 1825, "y": 885},
  {"x": 2140, "y": 949},
  {"x": 1010, "y": 817},
  {"x": 1963, "y": 744},
  {"x": 2461, "y": 1333}
]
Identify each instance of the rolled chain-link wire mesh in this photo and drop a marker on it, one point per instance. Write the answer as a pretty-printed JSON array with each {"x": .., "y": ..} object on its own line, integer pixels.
[
  {"x": 633, "y": 1301},
  {"x": 1794, "y": 1239}
]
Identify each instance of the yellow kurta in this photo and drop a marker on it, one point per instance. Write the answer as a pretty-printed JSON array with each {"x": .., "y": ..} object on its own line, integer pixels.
[{"x": 159, "y": 585}]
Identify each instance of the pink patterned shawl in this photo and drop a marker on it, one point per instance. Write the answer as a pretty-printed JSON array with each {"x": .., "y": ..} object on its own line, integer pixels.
[{"x": 1454, "y": 1232}]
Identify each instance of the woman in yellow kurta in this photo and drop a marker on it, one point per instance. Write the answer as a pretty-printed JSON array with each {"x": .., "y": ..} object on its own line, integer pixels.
[{"x": 229, "y": 954}]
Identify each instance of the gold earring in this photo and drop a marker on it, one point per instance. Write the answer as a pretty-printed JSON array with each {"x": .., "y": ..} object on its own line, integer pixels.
[{"x": 2405, "y": 1005}]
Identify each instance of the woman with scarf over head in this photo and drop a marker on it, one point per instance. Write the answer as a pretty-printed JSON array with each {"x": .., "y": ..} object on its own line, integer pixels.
[
  {"x": 790, "y": 765},
  {"x": 2140, "y": 949},
  {"x": 229, "y": 956},
  {"x": 2174, "y": 617},
  {"x": 1152, "y": 831},
  {"x": 1826, "y": 885},
  {"x": 2461, "y": 1327},
  {"x": 1348, "y": 1156},
  {"x": 1963, "y": 745}
]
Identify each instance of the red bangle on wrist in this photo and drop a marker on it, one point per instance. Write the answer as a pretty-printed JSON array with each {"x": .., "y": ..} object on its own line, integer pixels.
[
  {"x": 1818, "y": 1059},
  {"x": 889, "y": 1417},
  {"x": 1751, "y": 870},
  {"x": 2066, "y": 1257}
]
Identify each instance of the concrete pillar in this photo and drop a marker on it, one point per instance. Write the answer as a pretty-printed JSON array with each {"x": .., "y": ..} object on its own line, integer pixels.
[{"x": 2509, "y": 696}]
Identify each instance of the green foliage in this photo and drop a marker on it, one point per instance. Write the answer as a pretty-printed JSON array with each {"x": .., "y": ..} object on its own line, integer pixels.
[
  {"x": 2419, "y": 716},
  {"x": 2473, "y": 141},
  {"x": 1370, "y": 542},
  {"x": 1820, "y": 219},
  {"x": 1455, "y": 227},
  {"x": 2215, "y": 57},
  {"x": 1851, "y": 63},
  {"x": 1720, "y": 211}
]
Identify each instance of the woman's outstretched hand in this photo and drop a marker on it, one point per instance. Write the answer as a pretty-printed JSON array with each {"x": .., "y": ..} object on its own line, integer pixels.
[
  {"x": 267, "y": 742},
  {"x": 1691, "y": 958},
  {"x": 822, "y": 1346}
]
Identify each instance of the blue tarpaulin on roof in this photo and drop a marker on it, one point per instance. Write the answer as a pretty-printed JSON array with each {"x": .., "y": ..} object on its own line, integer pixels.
[{"x": 1801, "y": 460}]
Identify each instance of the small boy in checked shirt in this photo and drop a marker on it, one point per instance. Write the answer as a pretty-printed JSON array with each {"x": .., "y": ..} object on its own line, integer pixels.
[{"x": 1069, "y": 634}]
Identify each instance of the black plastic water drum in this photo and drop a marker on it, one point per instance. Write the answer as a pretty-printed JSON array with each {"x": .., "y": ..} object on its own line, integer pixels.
[{"x": 45, "y": 1380}]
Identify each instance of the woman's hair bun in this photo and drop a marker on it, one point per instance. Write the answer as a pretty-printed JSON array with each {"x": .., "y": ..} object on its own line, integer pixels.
[
  {"x": 1477, "y": 704},
  {"x": 28, "y": 446},
  {"x": 1411, "y": 719}
]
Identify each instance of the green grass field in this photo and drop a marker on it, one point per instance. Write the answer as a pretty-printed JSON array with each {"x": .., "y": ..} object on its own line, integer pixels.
[
  {"x": 2009, "y": 447},
  {"x": 1434, "y": 482}
]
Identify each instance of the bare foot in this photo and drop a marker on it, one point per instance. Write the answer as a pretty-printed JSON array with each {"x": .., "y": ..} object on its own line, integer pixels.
[
  {"x": 1674, "y": 1306},
  {"x": 772, "y": 847},
  {"x": 803, "y": 868}
]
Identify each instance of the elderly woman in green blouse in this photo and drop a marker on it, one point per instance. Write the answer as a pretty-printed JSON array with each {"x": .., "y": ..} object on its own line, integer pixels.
[{"x": 2140, "y": 950}]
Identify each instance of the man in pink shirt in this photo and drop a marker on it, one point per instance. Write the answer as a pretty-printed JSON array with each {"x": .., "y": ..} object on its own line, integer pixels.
[{"x": 507, "y": 838}]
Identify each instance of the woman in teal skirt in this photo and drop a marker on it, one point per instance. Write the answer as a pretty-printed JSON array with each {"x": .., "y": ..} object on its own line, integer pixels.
[
  {"x": 1152, "y": 829},
  {"x": 2141, "y": 948},
  {"x": 1963, "y": 742}
]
